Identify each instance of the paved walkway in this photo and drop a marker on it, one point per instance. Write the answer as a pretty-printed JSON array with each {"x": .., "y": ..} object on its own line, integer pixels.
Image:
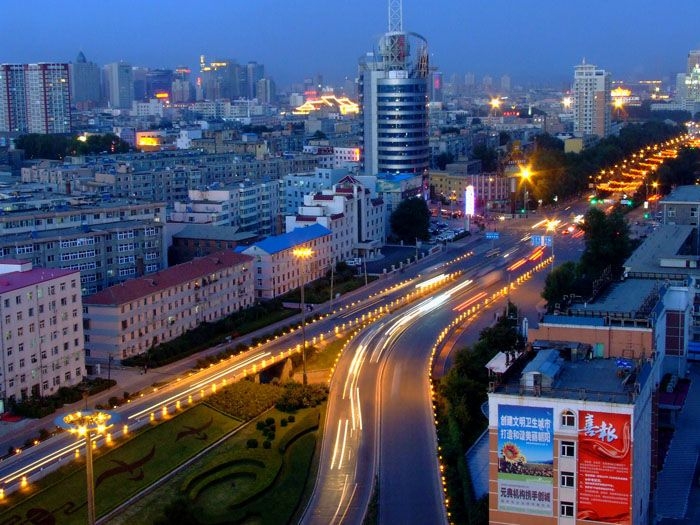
[{"x": 673, "y": 504}]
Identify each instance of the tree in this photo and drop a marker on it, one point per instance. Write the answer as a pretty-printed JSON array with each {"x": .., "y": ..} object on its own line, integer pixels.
[
  {"x": 411, "y": 220},
  {"x": 443, "y": 159},
  {"x": 487, "y": 156},
  {"x": 504, "y": 138},
  {"x": 559, "y": 282},
  {"x": 607, "y": 242}
]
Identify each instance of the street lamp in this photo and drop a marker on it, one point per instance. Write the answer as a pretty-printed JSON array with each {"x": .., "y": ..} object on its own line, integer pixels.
[
  {"x": 302, "y": 254},
  {"x": 495, "y": 104},
  {"x": 525, "y": 174},
  {"x": 86, "y": 424}
]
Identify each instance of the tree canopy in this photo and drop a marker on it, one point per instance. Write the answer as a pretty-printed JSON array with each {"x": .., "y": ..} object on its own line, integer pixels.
[
  {"x": 567, "y": 174},
  {"x": 57, "y": 147},
  {"x": 607, "y": 246},
  {"x": 411, "y": 220}
]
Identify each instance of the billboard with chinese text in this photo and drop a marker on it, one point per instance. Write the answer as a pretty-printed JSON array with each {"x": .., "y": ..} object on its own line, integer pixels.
[
  {"x": 525, "y": 459},
  {"x": 604, "y": 467}
]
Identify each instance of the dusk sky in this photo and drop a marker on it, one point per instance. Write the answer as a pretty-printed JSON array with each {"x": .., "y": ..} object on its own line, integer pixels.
[{"x": 529, "y": 40}]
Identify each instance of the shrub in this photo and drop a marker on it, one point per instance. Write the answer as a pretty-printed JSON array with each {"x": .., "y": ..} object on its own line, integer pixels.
[
  {"x": 267, "y": 444},
  {"x": 298, "y": 396},
  {"x": 271, "y": 436},
  {"x": 283, "y": 422},
  {"x": 252, "y": 443},
  {"x": 270, "y": 421},
  {"x": 114, "y": 401},
  {"x": 260, "y": 425},
  {"x": 291, "y": 418}
]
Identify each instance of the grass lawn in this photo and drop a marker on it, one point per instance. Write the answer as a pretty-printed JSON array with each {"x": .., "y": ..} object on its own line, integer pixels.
[
  {"x": 237, "y": 484},
  {"x": 120, "y": 472}
]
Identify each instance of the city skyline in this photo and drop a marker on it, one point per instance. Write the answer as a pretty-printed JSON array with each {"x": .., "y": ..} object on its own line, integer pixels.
[{"x": 540, "y": 43}]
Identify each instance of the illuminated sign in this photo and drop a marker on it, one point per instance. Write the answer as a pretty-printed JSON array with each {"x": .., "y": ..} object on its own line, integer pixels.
[
  {"x": 604, "y": 470},
  {"x": 161, "y": 96},
  {"x": 469, "y": 200},
  {"x": 525, "y": 459}
]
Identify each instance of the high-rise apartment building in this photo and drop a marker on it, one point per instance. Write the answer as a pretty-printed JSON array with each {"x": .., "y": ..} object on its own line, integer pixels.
[
  {"x": 265, "y": 91},
  {"x": 120, "y": 85},
  {"x": 35, "y": 98},
  {"x": 254, "y": 72},
  {"x": 159, "y": 83},
  {"x": 84, "y": 82},
  {"x": 591, "y": 100},
  {"x": 219, "y": 79},
  {"x": 13, "y": 98},
  {"x": 393, "y": 91}
]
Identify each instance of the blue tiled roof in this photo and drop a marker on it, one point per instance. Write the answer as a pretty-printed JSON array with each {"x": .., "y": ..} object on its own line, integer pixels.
[{"x": 286, "y": 241}]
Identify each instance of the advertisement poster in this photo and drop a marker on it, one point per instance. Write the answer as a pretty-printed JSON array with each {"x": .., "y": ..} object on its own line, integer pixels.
[
  {"x": 604, "y": 467},
  {"x": 525, "y": 459}
]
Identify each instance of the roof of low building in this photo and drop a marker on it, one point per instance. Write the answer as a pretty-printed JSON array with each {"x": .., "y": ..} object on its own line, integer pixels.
[
  {"x": 286, "y": 241},
  {"x": 664, "y": 243},
  {"x": 210, "y": 233},
  {"x": 689, "y": 194}
]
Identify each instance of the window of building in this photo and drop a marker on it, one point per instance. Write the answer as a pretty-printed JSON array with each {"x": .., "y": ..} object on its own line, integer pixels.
[
  {"x": 566, "y": 508},
  {"x": 568, "y": 449},
  {"x": 568, "y": 419},
  {"x": 567, "y": 479}
]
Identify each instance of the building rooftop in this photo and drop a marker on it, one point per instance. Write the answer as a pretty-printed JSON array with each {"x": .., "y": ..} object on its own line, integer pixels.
[
  {"x": 683, "y": 195},
  {"x": 612, "y": 380},
  {"x": 12, "y": 281},
  {"x": 624, "y": 297},
  {"x": 286, "y": 241},
  {"x": 181, "y": 273},
  {"x": 71, "y": 231},
  {"x": 662, "y": 255},
  {"x": 218, "y": 233}
]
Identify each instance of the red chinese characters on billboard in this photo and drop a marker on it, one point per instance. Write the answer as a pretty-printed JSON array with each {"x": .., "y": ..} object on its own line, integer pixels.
[{"x": 604, "y": 467}]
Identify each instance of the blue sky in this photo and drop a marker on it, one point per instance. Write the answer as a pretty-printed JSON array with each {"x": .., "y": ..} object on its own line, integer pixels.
[{"x": 529, "y": 40}]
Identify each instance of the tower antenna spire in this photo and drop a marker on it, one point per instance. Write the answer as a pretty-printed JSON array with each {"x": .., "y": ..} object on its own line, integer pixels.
[{"x": 395, "y": 16}]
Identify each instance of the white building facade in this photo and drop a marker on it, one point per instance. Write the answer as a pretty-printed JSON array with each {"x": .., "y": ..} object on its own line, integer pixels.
[
  {"x": 591, "y": 101},
  {"x": 276, "y": 268},
  {"x": 351, "y": 211}
]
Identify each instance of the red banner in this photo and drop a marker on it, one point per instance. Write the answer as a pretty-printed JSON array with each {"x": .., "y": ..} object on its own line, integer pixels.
[{"x": 604, "y": 467}]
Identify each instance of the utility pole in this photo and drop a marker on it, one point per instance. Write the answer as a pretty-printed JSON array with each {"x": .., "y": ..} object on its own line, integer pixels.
[{"x": 332, "y": 270}]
